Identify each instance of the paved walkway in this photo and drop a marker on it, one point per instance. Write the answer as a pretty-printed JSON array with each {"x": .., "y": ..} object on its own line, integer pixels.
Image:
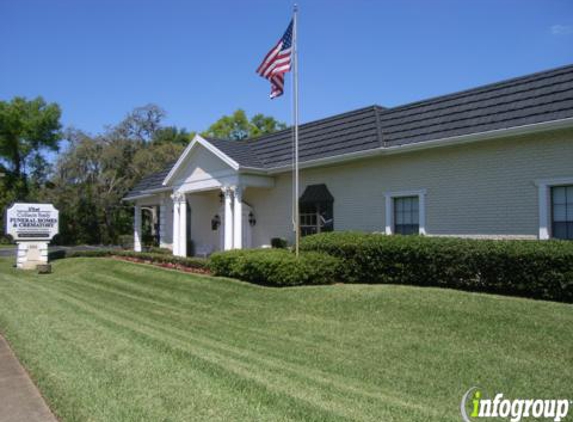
[{"x": 20, "y": 400}]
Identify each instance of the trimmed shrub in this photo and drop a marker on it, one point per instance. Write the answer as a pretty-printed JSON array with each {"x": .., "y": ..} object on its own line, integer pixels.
[
  {"x": 155, "y": 258},
  {"x": 125, "y": 241},
  {"x": 6, "y": 239},
  {"x": 537, "y": 269},
  {"x": 165, "y": 251},
  {"x": 275, "y": 267},
  {"x": 279, "y": 243}
]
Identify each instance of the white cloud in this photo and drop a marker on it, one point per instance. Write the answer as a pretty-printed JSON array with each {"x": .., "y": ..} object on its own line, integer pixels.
[{"x": 561, "y": 29}]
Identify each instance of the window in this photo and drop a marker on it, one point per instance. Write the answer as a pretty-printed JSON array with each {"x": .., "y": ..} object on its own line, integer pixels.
[
  {"x": 316, "y": 207},
  {"x": 406, "y": 215},
  {"x": 562, "y": 212},
  {"x": 555, "y": 197},
  {"x": 406, "y": 212}
]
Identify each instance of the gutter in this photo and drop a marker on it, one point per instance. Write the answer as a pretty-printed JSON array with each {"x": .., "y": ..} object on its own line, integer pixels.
[{"x": 146, "y": 193}]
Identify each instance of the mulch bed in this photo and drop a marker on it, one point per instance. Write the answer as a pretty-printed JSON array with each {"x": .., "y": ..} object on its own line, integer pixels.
[{"x": 171, "y": 266}]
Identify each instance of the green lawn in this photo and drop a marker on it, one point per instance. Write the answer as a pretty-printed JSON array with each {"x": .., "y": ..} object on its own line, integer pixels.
[
  {"x": 6, "y": 246},
  {"x": 114, "y": 341}
]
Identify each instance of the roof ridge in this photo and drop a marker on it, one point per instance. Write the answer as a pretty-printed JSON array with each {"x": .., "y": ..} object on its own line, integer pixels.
[{"x": 544, "y": 74}]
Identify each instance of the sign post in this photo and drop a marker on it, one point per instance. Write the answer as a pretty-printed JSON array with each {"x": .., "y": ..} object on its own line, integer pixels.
[{"x": 32, "y": 226}]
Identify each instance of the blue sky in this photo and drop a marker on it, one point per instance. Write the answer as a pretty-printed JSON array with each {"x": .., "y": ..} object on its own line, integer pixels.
[{"x": 100, "y": 58}]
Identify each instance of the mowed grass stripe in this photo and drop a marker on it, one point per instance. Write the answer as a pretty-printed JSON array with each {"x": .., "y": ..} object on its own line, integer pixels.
[
  {"x": 159, "y": 335},
  {"x": 118, "y": 341},
  {"x": 207, "y": 358},
  {"x": 237, "y": 357},
  {"x": 258, "y": 360},
  {"x": 241, "y": 390},
  {"x": 283, "y": 358}
]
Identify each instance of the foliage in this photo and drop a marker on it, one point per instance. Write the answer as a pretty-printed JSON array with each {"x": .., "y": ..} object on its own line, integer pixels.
[
  {"x": 155, "y": 257},
  {"x": 538, "y": 269},
  {"x": 275, "y": 267},
  {"x": 141, "y": 124},
  {"x": 96, "y": 172},
  {"x": 237, "y": 126},
  {"x": 27, "y": 129},
  {"x": 279, "y": 243},
  {"x": 160, "y": 250}
]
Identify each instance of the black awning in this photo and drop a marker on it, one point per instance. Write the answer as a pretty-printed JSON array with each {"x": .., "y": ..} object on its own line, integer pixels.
[{"x": 316, "y": 194}]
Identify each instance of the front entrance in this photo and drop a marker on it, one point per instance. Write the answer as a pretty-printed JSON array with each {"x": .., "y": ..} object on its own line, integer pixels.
[{"x": 247, "y": 234}]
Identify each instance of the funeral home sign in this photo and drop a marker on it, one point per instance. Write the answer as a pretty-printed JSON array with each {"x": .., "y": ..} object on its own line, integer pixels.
[
  {"x": 32, "y": 222},
  {"x": 32, "y": 226}
]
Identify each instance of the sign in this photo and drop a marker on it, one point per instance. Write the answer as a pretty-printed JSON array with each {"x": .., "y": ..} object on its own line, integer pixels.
[{"x": 32, "y": 222}]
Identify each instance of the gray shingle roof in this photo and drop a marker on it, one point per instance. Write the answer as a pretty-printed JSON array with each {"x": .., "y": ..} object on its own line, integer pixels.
[
  {"x": 241, "y": 152},
  {"x": 535, "y": 98},
  {"x": 153, "y": 181}
]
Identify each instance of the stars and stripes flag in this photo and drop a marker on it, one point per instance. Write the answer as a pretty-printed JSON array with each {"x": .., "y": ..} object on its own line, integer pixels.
[{"x": 277, "y": 62}]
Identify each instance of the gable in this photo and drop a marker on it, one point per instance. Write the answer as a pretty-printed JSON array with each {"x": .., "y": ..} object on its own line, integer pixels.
[{"x": 200, "y": 164}]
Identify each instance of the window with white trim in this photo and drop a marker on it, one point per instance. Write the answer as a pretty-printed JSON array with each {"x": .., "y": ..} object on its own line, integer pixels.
[
  {"x": 555, "y": 210},
  {"x": 406, "y": 215},
  {"x": 405, "y": 212},
  {"x": 562, "y": 212}
]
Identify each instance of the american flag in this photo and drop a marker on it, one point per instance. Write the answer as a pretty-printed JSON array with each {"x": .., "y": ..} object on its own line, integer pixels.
[{"x": 277, "y": 63}]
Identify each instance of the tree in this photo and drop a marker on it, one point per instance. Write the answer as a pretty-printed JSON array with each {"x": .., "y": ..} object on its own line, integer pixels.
[
  {"x": 26, "y": 129},
  {"x": 141, "y": 124},
  {"x": 172, "y": 135},
  {"x": 237, "y": 126},
  {"x": 263, "y": 125},
  {"x": 95, "y": 173}
]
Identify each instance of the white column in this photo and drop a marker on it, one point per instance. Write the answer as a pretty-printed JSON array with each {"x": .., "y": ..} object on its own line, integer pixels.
[
  {"x": 389, "y": 226},
  {"x": 175, "y": 224},
  {"x": 422, "y": 212},
  {"x": 228, "y": 235},
  {"x": 137, "y": 228},
  {"x": 544, "y": 207},
  {"x": 182, "y": 225},
  {"x": 162, "y": 223},
  {"x": 238, "y": 217}
]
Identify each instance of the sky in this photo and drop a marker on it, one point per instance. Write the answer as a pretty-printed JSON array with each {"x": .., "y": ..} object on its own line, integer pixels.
[{"x": 99, "y": 59}]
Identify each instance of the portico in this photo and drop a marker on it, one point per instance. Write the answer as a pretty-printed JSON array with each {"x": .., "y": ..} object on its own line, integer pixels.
[{"x": 202, "y": 207}]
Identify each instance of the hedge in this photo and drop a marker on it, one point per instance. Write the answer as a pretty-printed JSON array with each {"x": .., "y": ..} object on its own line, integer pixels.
[
  {"x": 536, "y": 269},
  {"x": 275, "y": 267},
  {"x": 152, "y": 257}
]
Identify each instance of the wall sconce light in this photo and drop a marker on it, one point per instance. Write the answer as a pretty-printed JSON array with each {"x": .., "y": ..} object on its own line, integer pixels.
[
  {"x": 221, "y": 197},
  {"x": 252, "y": 219},
  {"x": 215, "y": 222}
]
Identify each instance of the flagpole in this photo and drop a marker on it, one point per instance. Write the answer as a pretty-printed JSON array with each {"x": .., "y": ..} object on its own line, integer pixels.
[{"x": 295, "y": 120}]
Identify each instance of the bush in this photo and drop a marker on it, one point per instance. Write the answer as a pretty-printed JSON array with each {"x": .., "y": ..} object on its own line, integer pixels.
[
  {"x": 537, "y": 269},
  {"x": 279, "y": 243},
  {"x": 165, "y": 251},
  {"x": 275, "y": 267},
  {"x": 6, "y": 239},
  {"x": 156, "y": 258},
  {"x": 125, "y": 241}
]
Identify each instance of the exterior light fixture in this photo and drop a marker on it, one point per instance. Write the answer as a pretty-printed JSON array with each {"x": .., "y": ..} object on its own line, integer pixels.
[
  {"x": 252, "y": 219},
  {"x": 215, "y": 222}
]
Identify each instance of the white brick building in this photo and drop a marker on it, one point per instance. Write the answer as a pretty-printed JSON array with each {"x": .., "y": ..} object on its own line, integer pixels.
[{"x": 495, "y": 161}]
